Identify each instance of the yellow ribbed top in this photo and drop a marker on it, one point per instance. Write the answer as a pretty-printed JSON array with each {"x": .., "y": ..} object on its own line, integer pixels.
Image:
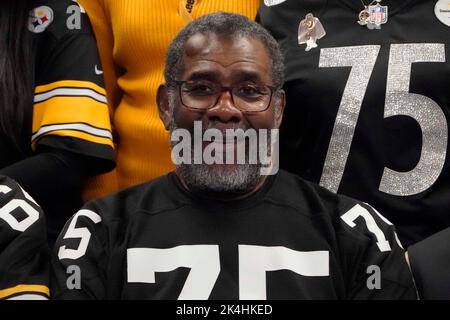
[{"x": 133, "y": 36}]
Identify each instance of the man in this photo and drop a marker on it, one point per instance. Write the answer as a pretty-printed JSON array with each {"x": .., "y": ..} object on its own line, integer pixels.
[
  {"x": 132, "y": 77},
  {"x": 24, "y": 253},
  {"x": 222, "y": 230}
]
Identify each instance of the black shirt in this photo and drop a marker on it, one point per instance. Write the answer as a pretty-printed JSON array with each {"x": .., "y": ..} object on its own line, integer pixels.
[
  {"x": 289, "y": 240},
  {"x": 430, "y": 264}
]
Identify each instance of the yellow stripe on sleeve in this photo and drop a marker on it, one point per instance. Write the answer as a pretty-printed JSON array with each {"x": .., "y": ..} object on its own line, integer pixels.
[
  {"x": 24, "y": 288},
  {"x": 64, "y": 113},
  {"x": 59, "y": 110}
]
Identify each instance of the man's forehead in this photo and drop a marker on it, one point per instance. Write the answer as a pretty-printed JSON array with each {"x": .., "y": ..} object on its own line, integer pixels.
[
  {"x": 203, "y": 51},
  {"x": 198, "y": 43},
  {"x": 203, "y": 45}
]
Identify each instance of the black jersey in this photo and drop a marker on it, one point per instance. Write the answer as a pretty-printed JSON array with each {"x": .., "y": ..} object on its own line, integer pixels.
[
  {"x": 290, "y": 240},
  {"x": 69, "y": 109},
  {"x": 24, "y": 254},
  {"x": 368, "y": 109},
  {"x": 430, "y": 264}
]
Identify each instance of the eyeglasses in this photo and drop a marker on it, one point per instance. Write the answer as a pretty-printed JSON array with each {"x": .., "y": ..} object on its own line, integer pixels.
[{"x": 204, "y": 95}]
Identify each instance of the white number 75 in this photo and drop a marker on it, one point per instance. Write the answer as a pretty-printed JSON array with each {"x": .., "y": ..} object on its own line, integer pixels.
[
  {"x": 399, "y": 101},
  {"x": 204, "y": 262}
]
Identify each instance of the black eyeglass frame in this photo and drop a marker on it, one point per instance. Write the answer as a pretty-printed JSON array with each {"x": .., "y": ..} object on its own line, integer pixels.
[{"x": 224, "y": 88}]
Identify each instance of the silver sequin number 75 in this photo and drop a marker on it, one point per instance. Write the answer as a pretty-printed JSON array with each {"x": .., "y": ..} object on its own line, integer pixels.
[{"x": 399, "y": 101}]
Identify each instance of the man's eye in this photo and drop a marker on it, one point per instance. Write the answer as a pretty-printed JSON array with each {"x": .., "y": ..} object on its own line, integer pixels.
[
  {"x": 199, "y": 89},
  {"x": 251, "y": 90}
]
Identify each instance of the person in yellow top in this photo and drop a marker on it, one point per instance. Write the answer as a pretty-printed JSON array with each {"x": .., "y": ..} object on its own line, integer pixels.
[{"x": 133, "y": 37}]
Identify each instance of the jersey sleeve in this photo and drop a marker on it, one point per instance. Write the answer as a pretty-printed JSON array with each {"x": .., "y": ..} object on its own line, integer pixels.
[
  {"x": 70, "y": 108},
  {"x": 376, "y": 267},
  {"x": 24, "y": 253},
  {"x": 99, "y": 17},
  {"x": 80, "y": 257}
]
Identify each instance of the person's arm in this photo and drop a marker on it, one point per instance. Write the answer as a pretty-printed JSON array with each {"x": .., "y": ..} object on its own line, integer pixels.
[
  {"x": 51, "y": 174},
  {"x": 375, "y": 261},
  {"x": 24, "y": 253},
  {"x": 71, "y": 127},
  {"x": 430, "y": 264},
  {"x": 70, "y": 110}
]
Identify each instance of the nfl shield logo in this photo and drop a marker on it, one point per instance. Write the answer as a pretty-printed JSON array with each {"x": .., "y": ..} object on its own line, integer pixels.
[{"x": 378, "y": 15}]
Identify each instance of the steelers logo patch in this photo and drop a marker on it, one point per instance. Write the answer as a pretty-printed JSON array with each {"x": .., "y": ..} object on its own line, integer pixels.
[{"x": 40, "y": 18}]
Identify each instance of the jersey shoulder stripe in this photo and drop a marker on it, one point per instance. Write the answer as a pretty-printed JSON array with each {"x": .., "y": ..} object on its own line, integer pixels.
[{"x": 25, "y": 292}]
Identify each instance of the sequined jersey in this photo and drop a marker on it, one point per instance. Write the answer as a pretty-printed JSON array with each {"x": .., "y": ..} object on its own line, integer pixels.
[{"x": 368, "y": 110}]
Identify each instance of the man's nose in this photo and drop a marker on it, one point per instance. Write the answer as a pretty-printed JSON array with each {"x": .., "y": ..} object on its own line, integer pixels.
[{"x": 225, "y": 109}]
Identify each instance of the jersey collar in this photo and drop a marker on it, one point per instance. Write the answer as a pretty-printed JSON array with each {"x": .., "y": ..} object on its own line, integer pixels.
[{"x": 218, "y": 205}]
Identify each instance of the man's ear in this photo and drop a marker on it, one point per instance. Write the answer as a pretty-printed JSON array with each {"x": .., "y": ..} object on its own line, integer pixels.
[
  {"x": 280, "y": 103},
  {"x": 162, "y": 100}
]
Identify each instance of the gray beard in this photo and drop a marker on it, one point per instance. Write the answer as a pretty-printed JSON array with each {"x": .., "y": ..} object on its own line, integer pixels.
[
  {"x": 240, "y": 179},
  {"x": 202, "y": 177}
]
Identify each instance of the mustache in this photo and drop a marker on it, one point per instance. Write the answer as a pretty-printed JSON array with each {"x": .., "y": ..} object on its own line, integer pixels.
[{"x": 221, "y": 126}]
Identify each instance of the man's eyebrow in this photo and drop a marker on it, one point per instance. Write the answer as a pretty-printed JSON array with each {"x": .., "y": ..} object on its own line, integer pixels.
[
  {"x": 203, "y": 75},
  {"x": 248, "y": 76},
  {"x": 241, "y": 76}
]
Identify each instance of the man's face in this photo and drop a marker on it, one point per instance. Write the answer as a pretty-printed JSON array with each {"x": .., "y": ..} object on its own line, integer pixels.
[{"x": 227, "y": 61}]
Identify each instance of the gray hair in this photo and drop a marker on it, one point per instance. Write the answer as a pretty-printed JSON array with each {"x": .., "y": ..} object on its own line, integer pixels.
[{"x": 222, "y": 23}]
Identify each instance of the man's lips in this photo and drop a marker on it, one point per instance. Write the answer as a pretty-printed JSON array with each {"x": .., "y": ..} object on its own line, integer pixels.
[
  {"x": 225, "y": 144},
  {"x": 224, "y": 137}
]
